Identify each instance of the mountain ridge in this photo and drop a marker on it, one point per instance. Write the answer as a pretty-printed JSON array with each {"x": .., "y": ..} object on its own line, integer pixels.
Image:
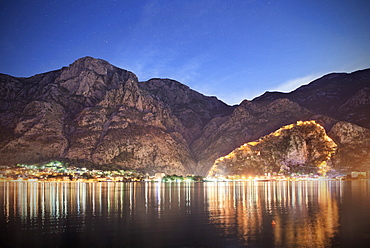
[
  {"x": 92, "y": 112},
  {"x": 330, "y": 94}
]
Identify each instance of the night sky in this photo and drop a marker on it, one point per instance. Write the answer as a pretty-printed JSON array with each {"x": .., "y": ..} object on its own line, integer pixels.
[{"x": 232, "y": 49}]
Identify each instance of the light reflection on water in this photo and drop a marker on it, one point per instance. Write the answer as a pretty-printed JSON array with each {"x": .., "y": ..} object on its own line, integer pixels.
[
  {"x": 223, "y": 214},
  {"x": 305, "y": 213}
]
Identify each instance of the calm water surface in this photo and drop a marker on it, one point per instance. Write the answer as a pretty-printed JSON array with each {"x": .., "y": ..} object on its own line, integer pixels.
[{"x": 234, "y": 214}]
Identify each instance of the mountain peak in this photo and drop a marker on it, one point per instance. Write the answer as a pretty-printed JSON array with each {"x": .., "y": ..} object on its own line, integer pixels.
[
  {"x": 97, "y": 66},
  {"x": 88, "y": 61}
]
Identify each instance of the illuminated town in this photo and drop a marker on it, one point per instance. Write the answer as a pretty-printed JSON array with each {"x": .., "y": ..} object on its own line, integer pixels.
[{"x": 57, "y": 171}]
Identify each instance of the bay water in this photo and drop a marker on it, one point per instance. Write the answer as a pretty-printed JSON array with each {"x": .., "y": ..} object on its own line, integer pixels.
[{"x": 185, "y": 214}]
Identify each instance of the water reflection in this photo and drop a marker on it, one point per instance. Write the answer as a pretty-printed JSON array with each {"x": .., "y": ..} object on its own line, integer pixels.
[
  {"x": 57, "y": 208},
  {"x": 170, "y": 214},
  {"x": 306, "y": 213}
]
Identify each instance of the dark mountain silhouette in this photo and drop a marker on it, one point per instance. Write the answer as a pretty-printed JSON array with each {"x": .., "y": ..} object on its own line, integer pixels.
[{"x": 342, "y": 96}]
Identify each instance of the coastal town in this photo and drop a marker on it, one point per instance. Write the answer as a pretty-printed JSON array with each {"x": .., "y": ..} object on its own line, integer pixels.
[{"x": 57, "y": 171}]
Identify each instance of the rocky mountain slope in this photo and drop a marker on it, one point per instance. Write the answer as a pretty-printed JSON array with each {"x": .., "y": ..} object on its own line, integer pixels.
[
  {"x": 248, "y": 122},
  {"x": 93, "y": 113},
  {"x": 301, "y": 147},
  {"x": 341, "y": 96},
  {"x": 353, "y": 151}
]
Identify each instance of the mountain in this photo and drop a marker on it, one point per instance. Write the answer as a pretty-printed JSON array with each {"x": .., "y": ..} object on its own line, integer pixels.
[
  {"x": 343, "y": 96},
  {"x": 94, "y": 114},
  {"x": 193, "y": 109},
  {"x": 353, "y": 151},
  {"x": 300, "y": 147}
]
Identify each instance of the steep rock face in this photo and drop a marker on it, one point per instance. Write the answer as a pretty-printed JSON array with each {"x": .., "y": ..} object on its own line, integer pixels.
[
  {"x": 16, "y": 93},
  {"x": 360, "y": 102},
  {"x": 193, "y": 109},
  {"x": 339, "y": 95},
  {"x": 37, "y": 136},
  {"x": 131, "y": 129},
  {"x": 75, "y": 87},
  {"x": 85, "y": 83},
  {"x": 300, "y": 147},
  {"x": 353, "y": 147}
]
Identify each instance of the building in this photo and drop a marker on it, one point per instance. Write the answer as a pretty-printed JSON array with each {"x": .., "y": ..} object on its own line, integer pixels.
[{"x": 159, "y": 176}]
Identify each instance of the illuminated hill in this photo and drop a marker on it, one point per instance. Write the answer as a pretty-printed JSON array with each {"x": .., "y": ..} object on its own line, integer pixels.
[{"x": 303, "y": 147}]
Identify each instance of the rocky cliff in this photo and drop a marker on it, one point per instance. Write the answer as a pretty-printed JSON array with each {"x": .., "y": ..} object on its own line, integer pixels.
[
  {"x": 301, "y": 147},
  {"x": 193, "y": 109},
  {"x": 353, "y": 151},
  {"x": 93, "y": 113}
]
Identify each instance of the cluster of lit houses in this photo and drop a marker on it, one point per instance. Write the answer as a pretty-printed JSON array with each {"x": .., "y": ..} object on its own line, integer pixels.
[{"x": 56, "y": 171}]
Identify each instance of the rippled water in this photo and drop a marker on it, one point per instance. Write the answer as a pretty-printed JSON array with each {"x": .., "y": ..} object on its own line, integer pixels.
[{"x": 235, "y": 214}]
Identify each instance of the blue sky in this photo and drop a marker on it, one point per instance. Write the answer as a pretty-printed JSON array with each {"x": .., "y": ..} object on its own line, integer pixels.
[{"x": 232, "y": 49}]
